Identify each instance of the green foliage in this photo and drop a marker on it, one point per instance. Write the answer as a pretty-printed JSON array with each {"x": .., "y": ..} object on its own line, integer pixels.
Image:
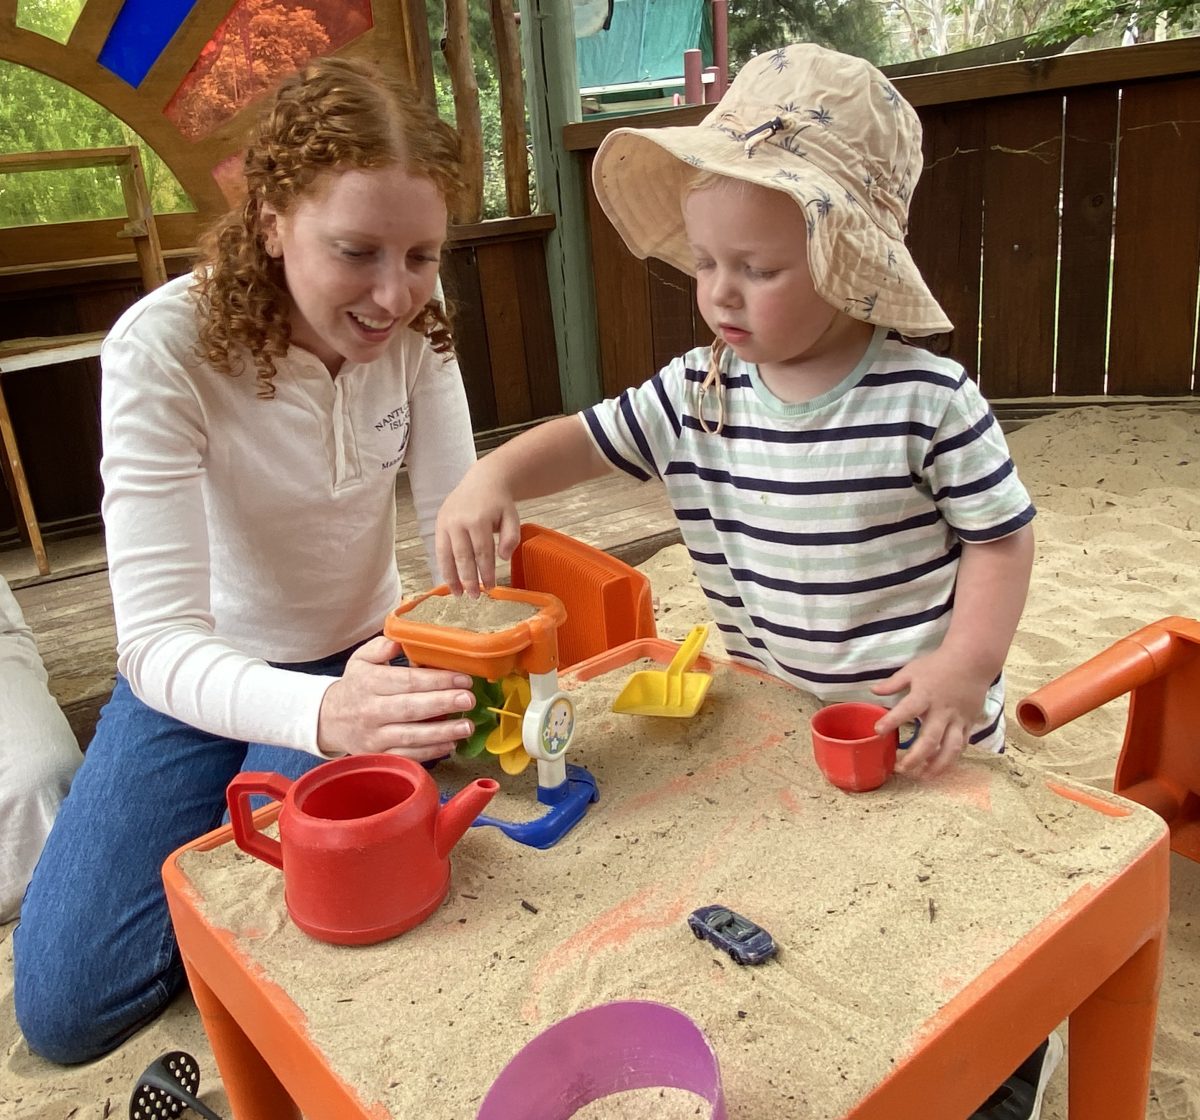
[
  {"x": 495, "y": 201},
  {"x": 38, "y": 114},
  {"x": 852, "y": 26},
  {"x": 1088, "y": 17},
  {"x": 52, "y": 18}
]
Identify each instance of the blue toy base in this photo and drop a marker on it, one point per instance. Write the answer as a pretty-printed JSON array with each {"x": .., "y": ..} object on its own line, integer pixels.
[{"x": 567, "y": 803}]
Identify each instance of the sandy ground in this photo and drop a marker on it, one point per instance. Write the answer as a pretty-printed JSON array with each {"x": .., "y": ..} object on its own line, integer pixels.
[{"x": 1118, "y": 492}]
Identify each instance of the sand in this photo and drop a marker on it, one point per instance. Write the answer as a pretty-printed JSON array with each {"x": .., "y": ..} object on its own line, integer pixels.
[{"x": 1118, "y": 491}]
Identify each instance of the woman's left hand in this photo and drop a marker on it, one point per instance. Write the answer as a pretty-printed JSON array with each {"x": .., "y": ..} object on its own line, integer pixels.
[{"x": 948, "y": 700}]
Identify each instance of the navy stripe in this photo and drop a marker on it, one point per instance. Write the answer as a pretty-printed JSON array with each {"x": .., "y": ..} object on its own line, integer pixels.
[
  {"x": 1005, "y": 529},
  {"x": 635, "y": 430},
  {"x": 664, "y": 400},
  {"x": 968, "y": 435},
  {"x": 853, "y": 587},
  {"x": 741, "y": 381},
  {"x": 880, "y": 626},
  {"x": 778, "y": 536},
  {"x": 826, "y": 435},
  {"x": 783, "y": 486},
  {"x": 979, "y": 485},
  {"x": 984, "y": 732},
  {"x": 610, "y": 453},
  {"x": 914, "y": 377},
  {"x": 812, "y": 678}
]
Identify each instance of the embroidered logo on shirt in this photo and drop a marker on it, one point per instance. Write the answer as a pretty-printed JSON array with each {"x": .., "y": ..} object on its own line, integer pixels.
[{"x": 398, "y": 421}]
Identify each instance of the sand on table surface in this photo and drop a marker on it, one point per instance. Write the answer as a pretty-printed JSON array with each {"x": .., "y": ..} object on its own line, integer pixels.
[{"x": 1118, "y": 492}]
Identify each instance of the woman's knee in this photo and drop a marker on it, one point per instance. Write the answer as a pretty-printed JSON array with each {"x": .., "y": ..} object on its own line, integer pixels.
[{"x": 66, "y": 1011}]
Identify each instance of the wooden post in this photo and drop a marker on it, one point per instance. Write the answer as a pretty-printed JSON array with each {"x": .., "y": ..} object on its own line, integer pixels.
[
  {"x": 457, "y": 49},
  {"x": 693, "y": 86},
  {"x": 141, "y": 229},
  {"x": 417, "y": 48},
  {"x": 552, "y": 90},
  {"x": 720, "y": 11},
  {"x": 512, "y": 108}
]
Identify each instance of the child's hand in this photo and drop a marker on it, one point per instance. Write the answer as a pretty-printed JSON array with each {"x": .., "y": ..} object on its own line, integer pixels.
[
  {"x": 946, "y": 697},
  {"x": 471, "y": 518}
]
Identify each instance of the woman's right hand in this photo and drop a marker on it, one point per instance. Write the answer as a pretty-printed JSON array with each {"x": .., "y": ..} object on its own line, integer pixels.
[
  {"x": 477, "y": 524},
  {"x": 376, "y": 707}
]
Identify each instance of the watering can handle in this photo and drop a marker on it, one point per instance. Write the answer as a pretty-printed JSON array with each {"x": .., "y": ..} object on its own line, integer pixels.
[{"x": 237, "y": 796}]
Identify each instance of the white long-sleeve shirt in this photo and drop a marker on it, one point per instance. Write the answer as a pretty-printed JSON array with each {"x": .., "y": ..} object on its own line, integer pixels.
[{"x": 241, "y": 531}]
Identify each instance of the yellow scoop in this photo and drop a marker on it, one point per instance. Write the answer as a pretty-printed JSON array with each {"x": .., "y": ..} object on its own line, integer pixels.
[{"x": 668, "y": 692}]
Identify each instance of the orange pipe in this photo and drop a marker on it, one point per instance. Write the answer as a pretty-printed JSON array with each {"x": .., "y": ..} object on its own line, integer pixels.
[{"x": 1126, "y": 664}]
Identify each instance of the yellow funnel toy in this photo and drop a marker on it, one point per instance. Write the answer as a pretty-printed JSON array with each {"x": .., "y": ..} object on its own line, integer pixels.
[{"x": 672, "y": 691}]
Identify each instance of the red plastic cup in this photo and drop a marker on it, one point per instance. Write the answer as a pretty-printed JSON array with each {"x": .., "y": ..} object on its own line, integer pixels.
[{"x": 848, "y": 750}]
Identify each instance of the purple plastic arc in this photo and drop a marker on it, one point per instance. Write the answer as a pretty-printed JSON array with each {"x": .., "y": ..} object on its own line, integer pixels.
[{"x": 603, "y": 1050}]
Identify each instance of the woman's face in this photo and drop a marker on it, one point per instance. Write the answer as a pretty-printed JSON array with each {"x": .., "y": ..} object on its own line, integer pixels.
[{"x": 360, "y": 254}]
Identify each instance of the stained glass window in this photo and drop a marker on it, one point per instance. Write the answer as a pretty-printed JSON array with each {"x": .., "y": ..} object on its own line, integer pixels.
[
  {"x": 257, "y": 43},
  {"x": 138, "y": 35}
]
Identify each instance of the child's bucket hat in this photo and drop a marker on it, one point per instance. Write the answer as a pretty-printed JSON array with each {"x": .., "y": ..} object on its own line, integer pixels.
[{"x": 826, "y": 128}]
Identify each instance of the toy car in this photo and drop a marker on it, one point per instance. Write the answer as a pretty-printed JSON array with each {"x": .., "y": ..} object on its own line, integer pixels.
[{"x": 742, "y": 939}]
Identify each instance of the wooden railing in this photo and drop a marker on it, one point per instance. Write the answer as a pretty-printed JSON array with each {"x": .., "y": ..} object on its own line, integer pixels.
[{"x": 1058, "y": 222}]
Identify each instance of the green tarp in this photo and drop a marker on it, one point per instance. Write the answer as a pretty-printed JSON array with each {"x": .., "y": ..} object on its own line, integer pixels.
[{"x": 645, "y": 42}]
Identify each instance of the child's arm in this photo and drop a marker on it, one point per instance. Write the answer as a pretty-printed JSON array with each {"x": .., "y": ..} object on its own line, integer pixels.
[
  {"x": 551, "y": 457},
  {"x": 946, "y": 688}
]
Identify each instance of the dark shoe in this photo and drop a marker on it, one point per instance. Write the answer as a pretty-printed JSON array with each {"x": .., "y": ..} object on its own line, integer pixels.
[{"x": 1020, "y": 1097}]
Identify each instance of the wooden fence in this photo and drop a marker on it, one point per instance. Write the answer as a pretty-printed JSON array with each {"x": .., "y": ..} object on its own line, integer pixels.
[{"x": 1058, "y": 222}]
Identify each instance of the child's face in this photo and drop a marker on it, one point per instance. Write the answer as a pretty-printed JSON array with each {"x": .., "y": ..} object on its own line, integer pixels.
[
  {"x": 753, "y": 283},
  {"x": 360, "y": 253}
]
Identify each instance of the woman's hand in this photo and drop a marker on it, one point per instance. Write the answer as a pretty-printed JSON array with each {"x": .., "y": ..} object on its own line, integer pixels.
[
  {"x": 477, "y": 512},
  {"x": 947, "y": 697},
  {"x": 377, "y": 707}
]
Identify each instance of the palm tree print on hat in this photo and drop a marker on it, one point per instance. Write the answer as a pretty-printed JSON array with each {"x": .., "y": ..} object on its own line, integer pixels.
[
  {"x": 821, "y": 205},
  {"x": 867, "y": 303}
]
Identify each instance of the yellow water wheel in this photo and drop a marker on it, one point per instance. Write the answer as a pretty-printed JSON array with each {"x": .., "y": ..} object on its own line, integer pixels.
[{"x": 505, "y": 739}]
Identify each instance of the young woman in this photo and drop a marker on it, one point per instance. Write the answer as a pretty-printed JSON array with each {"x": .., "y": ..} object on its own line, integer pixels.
[{"x": 254, "y": 418}]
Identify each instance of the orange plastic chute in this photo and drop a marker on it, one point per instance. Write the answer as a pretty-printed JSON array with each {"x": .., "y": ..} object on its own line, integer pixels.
[{"x": 1159, "y": 766}]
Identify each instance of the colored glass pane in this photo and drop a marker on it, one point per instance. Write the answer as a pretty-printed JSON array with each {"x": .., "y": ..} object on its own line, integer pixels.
[
  {"x": 259, "y": 42},
  {"x": 138, "y": 35},
  {"x": 40, "y": 114},
  {"x": 52, "y": 18}
]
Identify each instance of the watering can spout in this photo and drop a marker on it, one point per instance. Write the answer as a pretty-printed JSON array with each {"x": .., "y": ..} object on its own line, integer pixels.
[{"x": 455, "y": 817}]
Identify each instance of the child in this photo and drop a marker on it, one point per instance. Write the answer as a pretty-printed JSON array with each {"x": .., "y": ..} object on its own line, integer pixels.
[{"x": 847, "y": 499}]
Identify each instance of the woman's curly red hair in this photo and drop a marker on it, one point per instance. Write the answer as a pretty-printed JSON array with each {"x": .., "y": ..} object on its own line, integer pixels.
[{"x": 334, "y": 113}]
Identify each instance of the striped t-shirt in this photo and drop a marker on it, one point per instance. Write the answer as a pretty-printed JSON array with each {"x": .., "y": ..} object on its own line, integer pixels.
[{"x": 826, "y": 535}]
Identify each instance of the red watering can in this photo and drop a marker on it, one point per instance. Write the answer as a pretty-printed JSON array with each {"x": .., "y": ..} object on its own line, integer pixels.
[{"x": 364, "y": 844}]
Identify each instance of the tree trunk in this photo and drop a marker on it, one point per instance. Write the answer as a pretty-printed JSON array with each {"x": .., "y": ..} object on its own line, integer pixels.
[{"x": 457, "y": 49}]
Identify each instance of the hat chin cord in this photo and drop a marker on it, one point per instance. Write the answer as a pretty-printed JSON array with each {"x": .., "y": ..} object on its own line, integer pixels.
[{"x": 712, "y": 382}]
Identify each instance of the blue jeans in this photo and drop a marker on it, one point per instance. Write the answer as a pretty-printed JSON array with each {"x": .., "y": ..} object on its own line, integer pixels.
[{"x": 94, "y": 952}]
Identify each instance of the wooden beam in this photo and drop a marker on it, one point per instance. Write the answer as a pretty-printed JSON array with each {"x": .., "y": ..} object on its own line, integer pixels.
[
  {"x": 512, "y": 108},
  {"x": 552, "y": 94},
  {"x": 1009, "y": 79},
  {"x": 501, "y": 229},
  {"x": 61, "y": 161},
  {"x": 91, "y": 29},
  {"x": 457, "y": 48}
]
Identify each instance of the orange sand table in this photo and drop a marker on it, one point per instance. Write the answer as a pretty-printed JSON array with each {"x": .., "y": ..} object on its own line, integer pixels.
[{"x": 885, "y": 905}]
